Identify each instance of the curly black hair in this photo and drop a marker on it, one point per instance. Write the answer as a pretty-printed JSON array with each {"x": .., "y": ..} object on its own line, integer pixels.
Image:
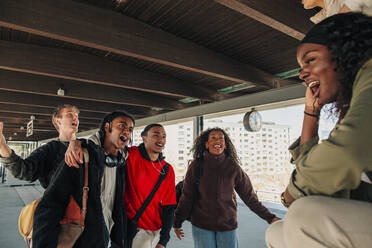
[
  {"x": 199, "y": 145},
  {"x": 349, "y": 40}
]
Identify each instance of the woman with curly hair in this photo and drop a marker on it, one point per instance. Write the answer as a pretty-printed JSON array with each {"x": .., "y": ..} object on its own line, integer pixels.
[
  {"x": 211, "y": 201},
  {"x": 330, "y": 192}
]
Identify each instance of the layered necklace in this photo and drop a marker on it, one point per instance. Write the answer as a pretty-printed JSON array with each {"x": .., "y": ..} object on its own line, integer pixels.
[{"x": 162, "y": 172}]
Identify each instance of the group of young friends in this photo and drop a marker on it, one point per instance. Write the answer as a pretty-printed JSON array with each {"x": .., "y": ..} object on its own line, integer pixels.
[{"x": 329, "y": 196}]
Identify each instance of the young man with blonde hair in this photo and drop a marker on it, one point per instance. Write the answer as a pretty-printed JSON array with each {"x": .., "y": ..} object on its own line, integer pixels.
[{"x": 42, "y": 163}]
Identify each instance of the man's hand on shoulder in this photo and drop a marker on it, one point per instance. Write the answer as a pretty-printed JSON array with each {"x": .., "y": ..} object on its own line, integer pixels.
[{"x": 74, "y": 154}]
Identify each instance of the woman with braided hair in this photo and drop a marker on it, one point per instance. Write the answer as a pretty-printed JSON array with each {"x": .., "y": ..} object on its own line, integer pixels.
[{"x": 330, "y": 191}]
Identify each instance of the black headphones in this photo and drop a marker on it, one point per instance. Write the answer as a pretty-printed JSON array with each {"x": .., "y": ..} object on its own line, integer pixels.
[{"x": 114, "y": 161}]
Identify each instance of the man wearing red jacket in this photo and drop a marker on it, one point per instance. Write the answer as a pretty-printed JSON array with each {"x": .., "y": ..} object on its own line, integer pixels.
[{"x": 144, "y": 166}]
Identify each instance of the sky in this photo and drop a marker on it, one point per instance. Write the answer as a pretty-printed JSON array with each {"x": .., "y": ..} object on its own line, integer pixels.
[{"x": 291, "y": 116}]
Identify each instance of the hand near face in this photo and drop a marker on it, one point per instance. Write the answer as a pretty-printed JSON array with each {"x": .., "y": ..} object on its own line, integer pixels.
[
  {"x": 312, "y": 105},
  {"x": 179, "y": 233},
  {"x": 74, "y": 154}
]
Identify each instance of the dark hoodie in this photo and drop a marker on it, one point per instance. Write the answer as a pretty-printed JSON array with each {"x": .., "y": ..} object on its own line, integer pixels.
[{"x": 212, "y": 204}]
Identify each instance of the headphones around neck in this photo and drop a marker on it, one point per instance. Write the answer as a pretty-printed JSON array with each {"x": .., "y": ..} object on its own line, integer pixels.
[{"x": 114, "y": 161}]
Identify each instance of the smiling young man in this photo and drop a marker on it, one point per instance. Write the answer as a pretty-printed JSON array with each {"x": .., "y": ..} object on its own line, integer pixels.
[
  {"x": 105, "y": 219},
  {"x": 144, "y": 166},
  {"x": 42, "y": 163}
]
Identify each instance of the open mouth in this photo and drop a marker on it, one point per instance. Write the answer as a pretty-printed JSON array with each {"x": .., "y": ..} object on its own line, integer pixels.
[
  {"x": 314, "y": 86},
  {"x": 159, "y": 145},
  {"x": 217, "y": 146},
  {"x": 74, "y": 124},
  {"x": 123, "y": 138}
]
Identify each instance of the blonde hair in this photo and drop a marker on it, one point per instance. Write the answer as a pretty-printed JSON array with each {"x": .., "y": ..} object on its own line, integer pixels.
[{"x": 57, "y": 112}]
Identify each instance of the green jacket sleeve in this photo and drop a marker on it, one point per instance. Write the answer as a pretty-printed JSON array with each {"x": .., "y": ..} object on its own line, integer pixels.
[{"x": 334, "y": 166}]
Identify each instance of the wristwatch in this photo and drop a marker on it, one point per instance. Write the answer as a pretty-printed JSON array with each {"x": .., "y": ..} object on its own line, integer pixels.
[{"x": 282, "y": 200}]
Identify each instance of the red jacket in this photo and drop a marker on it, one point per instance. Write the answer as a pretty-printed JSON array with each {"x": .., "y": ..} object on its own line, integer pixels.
[{"x": 142, "y": 175}]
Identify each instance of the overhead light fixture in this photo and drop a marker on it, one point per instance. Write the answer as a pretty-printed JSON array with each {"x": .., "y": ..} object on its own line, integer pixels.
[
  {"x": 60, "y": 92},
  {"x": 22, "y": 128},
  {"x": 15, "y": 134},
  {"x": 10, "y": 138},
  {"x": 32, "y": 117}
]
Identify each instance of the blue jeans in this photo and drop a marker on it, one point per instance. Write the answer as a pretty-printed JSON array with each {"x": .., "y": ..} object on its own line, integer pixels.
[{"x": 208, "y": 239}]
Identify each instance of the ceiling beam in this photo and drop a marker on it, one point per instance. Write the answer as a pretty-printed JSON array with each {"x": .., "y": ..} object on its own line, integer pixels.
[
  {"x": 283, "y": 15},
  {"x": 57, "y": 64},
  {"x": 23, "y": 109},
  {"x": 18, "y": 98},
  {"x": 260, "y": 101},
  {"x": 113, "y": 32},
  {"x": 17, "y": 123},
  {"x": 42, "y": 118}
]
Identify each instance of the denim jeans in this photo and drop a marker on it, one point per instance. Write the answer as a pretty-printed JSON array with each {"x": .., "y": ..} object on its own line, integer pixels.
[{"x": 208, "y": 239}]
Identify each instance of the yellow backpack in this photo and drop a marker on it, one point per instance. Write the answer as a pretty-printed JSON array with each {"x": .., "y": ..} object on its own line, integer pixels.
[{"x": 26, "y": 221}]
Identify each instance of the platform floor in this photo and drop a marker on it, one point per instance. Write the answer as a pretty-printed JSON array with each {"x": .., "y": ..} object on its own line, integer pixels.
[{"x": 14, "y": 194}]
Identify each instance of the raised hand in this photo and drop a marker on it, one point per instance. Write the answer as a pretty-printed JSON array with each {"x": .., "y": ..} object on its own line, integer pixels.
[
  {"x": 312, "y": 105},
  {"x": 5, "y": 151}
]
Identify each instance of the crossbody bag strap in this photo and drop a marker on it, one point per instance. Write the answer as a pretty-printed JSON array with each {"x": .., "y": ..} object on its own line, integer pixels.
[
  {"x": 149, "y": 198},
  {"x": 85, "y": 188}
]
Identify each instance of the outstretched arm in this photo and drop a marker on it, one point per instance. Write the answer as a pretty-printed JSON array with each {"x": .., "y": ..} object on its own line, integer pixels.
[
  {"x": 35, "y": 166},
  {"x": 245, "y": 190},
  {"x": 5, "y": 150}
]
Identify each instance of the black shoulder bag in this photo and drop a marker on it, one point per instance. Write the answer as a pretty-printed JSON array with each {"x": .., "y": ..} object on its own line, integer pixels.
[
  {"x": 132, "y": 223},
  {"x": 198, "y": 171}
]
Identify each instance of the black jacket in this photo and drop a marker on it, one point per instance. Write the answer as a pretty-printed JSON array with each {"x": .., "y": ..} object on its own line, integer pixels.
[
  {"x": 68, "y": 181},
  {"x": 41, "y": 164}
]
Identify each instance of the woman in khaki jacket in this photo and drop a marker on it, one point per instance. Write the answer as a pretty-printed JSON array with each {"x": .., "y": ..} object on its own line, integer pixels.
[{"x": 331, "y": 185}]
